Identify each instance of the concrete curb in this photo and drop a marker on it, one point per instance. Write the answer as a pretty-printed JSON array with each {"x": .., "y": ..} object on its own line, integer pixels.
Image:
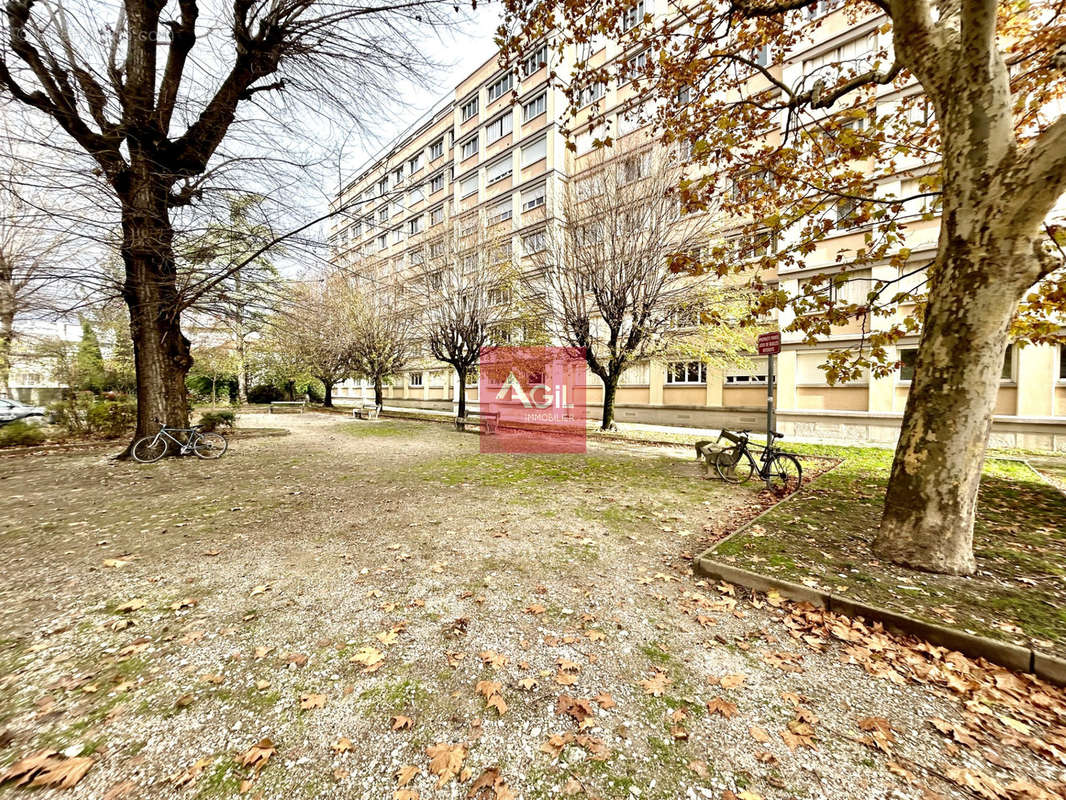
[{"x": 1012, "y": 656}]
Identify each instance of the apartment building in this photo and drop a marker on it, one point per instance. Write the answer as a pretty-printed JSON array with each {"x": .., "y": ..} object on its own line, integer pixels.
[{"x": 494, "y": 146}]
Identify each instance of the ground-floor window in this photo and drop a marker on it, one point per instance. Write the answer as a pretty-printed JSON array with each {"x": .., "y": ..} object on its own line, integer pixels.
[
  {"x": 416, "y": 379},
  {"x": 686, "y": 372}
]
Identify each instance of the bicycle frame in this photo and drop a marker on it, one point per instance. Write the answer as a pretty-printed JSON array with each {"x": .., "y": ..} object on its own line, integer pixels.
[{"x": 168, "y": 433}]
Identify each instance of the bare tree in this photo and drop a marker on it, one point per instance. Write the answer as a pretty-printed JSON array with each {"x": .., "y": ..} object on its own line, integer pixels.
[
  {"x": 383, "y": 329},
  {"x": 34, "y": 247},
  {"x": 614, "y": 275},
  {"x": 318, "y": 330},
  {"x": 154, "y": 123},
  {"x": 468, "y": 279}
]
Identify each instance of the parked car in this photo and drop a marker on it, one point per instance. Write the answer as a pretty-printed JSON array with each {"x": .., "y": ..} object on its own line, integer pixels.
[{"x": 11, "y": 410}]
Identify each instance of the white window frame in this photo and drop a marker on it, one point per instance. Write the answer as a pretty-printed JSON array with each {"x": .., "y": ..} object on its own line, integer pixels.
[
  {"x": 701, "y": 372},
  {"x": 465, "y": 146},
  {"x": 469, "y": 109},
  {"x": 415, "y": 384},
  {"x": 535, "y": 61},
  {"x": 541, "y": 143},
  {"x": 502, "y": 126},
  {"x": 436, "y": 150},
  {"x": 535, "y": 107},
  {"x": 501, "y": 86},
  {"x": 500, "y": 212},
  {"x": 537, "y": 198},
  {"x": 463, "y": 193},
  {"x": 436, "y": 183}
]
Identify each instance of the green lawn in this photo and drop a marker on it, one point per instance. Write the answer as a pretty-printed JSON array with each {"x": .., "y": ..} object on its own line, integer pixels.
[{"x": 822, "y": 538}]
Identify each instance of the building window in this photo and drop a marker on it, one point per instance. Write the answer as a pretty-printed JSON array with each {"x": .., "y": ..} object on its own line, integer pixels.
[
  {"x": 414, "y": 225},
  {"x": 590, "y": 94},
  {"x": 533, "y": 198},
  {"x": 500, "y": 296},
  {"x": 417, "y": 258},
  {"x": 534, "y": 243},
  {"x": 535, "y": 61},
  {"x": 436, "y": 150},
  {"x": 532, "y": 153},
  {"x": 414, "y": 164},
  {"x": 397, "y": 176},
  {"x": 436, "y": 183},
  {"x": 686, "y": 372},
  {"x": 498, "y": 171},
  {"x": 500, "y": 87},
  {"x": 468, "y": 186},
  {"x": 907, "y": 359},
  {"x": 468, "y": 110},
  {"x": 416, "y": 379},
  {"x": 397, "y": 235},
  {"x": 498, "y": 128},
  {"x": 500, "y": 212},
  {"x": 383, "y": 241},
  {"x": 633, "y": 16},
  {"x": 535, "y": 107},
  {"x": 1008, "y": 365},
  {"x": 436, "y": 216},
  {"x": 1062, "y": 363},
  {"x": 468, "y": 148},
  {"x": 744, "y": 377},
  {"x": 383, "y": 186}
]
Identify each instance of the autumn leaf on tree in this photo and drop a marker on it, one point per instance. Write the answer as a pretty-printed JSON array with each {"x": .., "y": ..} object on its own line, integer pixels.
[
  {"x": 47, "y": 768},
  {"x": 258, "y": 755},
  {"x": 445, "y": 761},
  {"x": 656, "y": 684}
]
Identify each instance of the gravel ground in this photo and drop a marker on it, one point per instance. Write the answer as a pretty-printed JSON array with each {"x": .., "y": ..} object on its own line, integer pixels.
[{"x": 374, "y": 610}]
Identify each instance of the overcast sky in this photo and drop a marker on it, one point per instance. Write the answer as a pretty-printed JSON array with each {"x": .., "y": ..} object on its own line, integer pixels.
[{"x": 459, "y": 53}]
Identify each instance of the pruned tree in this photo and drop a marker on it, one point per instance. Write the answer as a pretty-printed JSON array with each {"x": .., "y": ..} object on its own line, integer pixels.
[
  {"x": 383, "y": 330},
  {"x": 956, "y": 104},
  {"x": 152, "y": 97},
  {"x": 467, "y": 280},
  {"x": 613, "y": 274}
]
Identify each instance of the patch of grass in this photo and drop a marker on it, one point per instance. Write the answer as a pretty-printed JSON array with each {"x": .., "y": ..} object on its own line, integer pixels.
[
  {"x": 823, "y": 537},
  {"x": 224, "y": 780}
]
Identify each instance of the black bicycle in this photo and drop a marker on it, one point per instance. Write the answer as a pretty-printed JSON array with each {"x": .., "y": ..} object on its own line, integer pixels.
[
  {"x": 203, "y": 445},
  {"x": 736, "y": 464}
]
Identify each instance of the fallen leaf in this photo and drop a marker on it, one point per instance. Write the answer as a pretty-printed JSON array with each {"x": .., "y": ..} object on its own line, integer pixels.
[
  {"x": 722, "y": 706},
  {"x": 404, "y": 775},
  {"x": 400, "y": 723},
  {"x": 656, "y": 684},
  {"x": 258, "y": 755},
  {"x": 130, "y": 605},
  {"x": 445, "y": 761},
  {"x": 47, "y": 768},
  {"x": 309, "y": 700}
]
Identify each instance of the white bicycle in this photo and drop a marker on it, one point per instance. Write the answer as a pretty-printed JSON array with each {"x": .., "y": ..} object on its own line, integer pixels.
[{"x": 203, "y": 445}]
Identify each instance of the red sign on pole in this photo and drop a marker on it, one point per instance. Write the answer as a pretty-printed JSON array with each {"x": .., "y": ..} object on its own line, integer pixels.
[{"x": 769, "y": 343}]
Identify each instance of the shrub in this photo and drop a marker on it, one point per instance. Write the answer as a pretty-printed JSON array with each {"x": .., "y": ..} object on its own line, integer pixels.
[
  {"x": 20, "y": 434},
  {"x": 83, "y": 414},
  {"x": 213, "y": 420},
  {"x": 264, "y": 393},
  {"x": 111, "y": 418}
]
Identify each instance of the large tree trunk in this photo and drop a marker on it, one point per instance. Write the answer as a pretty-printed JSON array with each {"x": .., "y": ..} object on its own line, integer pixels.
[
  {"x": 327, "y": 402},
  {"x": 161, "y": 351},
  {"x": 378, "y": 401},
  {"x": 932, "y": 493},
  {"x": 7, "y": 336},
  {"x": 610, "y": 390},
  {"x": 462, "y": 392}
]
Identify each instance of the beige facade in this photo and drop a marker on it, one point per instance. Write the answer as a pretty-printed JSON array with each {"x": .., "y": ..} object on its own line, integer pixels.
[{"x": 494, "y": 146}]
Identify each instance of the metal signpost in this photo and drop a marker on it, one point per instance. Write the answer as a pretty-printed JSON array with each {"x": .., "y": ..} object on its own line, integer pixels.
[{"x": 769, "y": 345}]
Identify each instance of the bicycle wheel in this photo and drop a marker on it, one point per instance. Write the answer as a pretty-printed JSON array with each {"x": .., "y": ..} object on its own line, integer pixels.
[
  {"x": 786, "y": 474},
  {"x": 209, "y": 445},
  {"x": 148, "y": 449},
  {"x": 734, "y": 465}
]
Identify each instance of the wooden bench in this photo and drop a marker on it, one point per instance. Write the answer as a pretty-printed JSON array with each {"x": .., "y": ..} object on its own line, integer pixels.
[
  {"x": 297, "y": 405},
  {"x": 367, "y": 411},
  {"x": 488, "y": 420}
]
